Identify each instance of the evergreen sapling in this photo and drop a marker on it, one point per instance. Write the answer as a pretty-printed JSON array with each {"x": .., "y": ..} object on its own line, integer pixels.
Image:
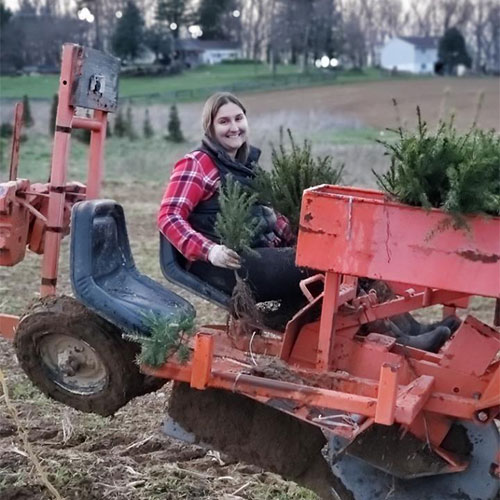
[
  {"x": 236, "y": 228},
  {"x": 293, "y": 171},
  {"x": 174, "y": 126},
  {"x": 27, "y": 116},
  {"x": 129, "y": 125},
  {"x": 458, "y": 173},
  {"x": 147, "y": 127},
  {"x": 168, "y": 336},
  {"x": 120, "y": 126}
]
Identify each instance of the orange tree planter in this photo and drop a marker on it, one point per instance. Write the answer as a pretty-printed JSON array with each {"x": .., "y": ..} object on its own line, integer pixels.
[{"x": 360, "y": 232}]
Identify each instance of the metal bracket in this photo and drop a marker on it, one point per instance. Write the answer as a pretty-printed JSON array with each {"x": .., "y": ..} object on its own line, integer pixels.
[{"x": 96, "y": 84}]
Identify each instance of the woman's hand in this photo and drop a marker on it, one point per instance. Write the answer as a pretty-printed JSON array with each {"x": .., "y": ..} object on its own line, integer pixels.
[{"x": 221, "y": 256}]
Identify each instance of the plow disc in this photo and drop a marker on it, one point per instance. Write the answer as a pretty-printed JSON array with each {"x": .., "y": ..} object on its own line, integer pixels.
[{"x": 479, "y": 443}]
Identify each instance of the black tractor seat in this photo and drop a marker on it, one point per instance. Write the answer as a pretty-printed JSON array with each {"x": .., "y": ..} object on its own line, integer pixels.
[
  {"x": 103, "y": 272},
  {"x": 173, "y": 267}
]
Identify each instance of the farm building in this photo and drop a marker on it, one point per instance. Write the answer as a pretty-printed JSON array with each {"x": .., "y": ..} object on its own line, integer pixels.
[
  {"x": 194, "y": 52},
  {"x": 410, "y": 53}
]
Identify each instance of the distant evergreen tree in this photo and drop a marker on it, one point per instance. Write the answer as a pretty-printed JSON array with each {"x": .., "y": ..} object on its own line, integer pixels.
[
  {"x": 53, "y": 114},
  {"x": 211, "y": 18},
  {"x": 127, "y": 38},
  {"x": 82, "y": 135},
  {"x": 129, "y": 125},
  {"x": 452, "y": 51},
  {"x": 174, "y": 126},
  {"x": 5, "y": 14},
  {"x": 159, "y": 39},
  {"x": 147, "y": 128},
  {"x": 109, "y": 131},
  {"x": 27, "y": 116},
  {"x": 120, "y": 125},
  {"x": 171, "y": 11}
]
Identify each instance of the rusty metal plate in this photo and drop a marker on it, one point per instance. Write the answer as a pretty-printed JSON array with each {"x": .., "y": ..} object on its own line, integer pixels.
[
  {"x": 358, "y": 232},
  {"x": 96, "y": 81}
]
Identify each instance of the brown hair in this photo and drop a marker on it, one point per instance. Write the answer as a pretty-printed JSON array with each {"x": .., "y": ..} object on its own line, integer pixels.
[{"x": 210, "y": 110}]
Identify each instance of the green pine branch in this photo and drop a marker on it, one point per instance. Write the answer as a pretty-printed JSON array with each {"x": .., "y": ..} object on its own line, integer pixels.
[
  {"x": 294, "y": 169},
  {"x": 234, "y": 223},
  {"x": 458, "y": 173},
  {"x": 167, "y": 337}
]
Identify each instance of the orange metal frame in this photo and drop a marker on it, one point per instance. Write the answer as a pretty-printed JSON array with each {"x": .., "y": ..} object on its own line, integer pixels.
[
  {"x": 346, "y": 382},
  {"x": 38, "y": 215}
]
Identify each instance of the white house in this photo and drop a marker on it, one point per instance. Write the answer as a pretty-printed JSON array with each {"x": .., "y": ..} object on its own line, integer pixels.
[
  {"x": 416, "y": 54},
  {"x": 193, "y": 51}
]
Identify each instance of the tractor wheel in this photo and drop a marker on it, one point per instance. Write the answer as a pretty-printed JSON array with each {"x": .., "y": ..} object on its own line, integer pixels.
[{"x": 78, "y": 358}]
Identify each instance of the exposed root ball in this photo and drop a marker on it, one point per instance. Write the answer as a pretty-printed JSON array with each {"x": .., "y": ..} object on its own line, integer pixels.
[{"x": 243, "y": 305}]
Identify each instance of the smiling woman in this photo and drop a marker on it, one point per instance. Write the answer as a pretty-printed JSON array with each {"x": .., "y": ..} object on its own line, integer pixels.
[{"x": 190, "y": 205}]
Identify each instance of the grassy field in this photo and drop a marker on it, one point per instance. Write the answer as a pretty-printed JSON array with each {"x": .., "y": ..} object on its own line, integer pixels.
[{"x": 44, "y": 86}]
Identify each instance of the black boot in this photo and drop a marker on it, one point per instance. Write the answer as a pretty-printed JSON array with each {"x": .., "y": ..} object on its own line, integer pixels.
[
  {"x": 430, "y": 341},
  {"x": 408, "y": 325}
]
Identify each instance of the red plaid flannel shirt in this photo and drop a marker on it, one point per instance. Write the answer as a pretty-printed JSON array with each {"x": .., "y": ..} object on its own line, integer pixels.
[{"x": 195, "y": 178}]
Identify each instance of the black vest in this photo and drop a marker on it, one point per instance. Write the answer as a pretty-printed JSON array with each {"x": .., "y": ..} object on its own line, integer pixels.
[{"x": 203, "y": 217}]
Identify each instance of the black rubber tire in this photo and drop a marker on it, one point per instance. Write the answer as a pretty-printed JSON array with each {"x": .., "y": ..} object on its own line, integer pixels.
[{"x": 66, "y": 316}]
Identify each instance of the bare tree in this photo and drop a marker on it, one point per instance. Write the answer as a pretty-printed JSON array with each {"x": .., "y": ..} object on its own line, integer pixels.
[
  {"x": 423, "y": 12},
  {"x": 492, "y": 39},
  {"x": 392, "y": 19}
]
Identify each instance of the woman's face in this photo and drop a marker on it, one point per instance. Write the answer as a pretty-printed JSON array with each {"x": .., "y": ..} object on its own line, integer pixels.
[{"x": 230, "y": 127}]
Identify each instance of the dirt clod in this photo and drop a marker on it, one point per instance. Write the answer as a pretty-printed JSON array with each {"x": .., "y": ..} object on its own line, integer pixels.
[{"x": 258, "y": 434}]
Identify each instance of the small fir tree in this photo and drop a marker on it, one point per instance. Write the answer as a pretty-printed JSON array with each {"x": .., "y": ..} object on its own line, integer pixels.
[
  {"x": 457, "y": 173},
  {"x": 294, "y": 170},
  {"x": 167, "y": 337},
  {"x": 234, "y": 224},
  {"x": 27, "y": 116},
  {"x": 120, "y": 125},
  {"x": 6, "y": 130},
  {"x": 236, "y": 228},
  {"x": 147, "y": 127},
  {"x": 172, "y": 11},
  {"x": 174, "y": 126},
  {"x": 127, "y": 37},
  {"x": 53, "y": 114},
  {"x": 129, "y": 125}
]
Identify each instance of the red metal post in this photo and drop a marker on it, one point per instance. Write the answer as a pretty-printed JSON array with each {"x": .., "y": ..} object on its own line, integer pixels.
[
  {"x": 387, "y": 393},
  {"x": 96, "y": 155},
  {"x": 8, "y": 325},
  {"x": 202, "y": 360},
  {"x": 327, "y": 325},
  {"x": 60, "y": 158}
]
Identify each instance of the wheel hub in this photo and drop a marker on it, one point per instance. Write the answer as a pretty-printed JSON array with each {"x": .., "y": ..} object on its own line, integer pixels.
[{"x": 73, "y": 364}]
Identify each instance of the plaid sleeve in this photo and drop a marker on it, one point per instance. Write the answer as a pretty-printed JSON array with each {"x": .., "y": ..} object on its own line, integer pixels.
[
  {"x": 193, "y": 179},
  {"x": 283, "y": 230}
]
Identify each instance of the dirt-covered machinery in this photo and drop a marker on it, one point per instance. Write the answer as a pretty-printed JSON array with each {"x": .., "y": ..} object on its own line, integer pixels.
[{"x": 399, "y": 422}]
